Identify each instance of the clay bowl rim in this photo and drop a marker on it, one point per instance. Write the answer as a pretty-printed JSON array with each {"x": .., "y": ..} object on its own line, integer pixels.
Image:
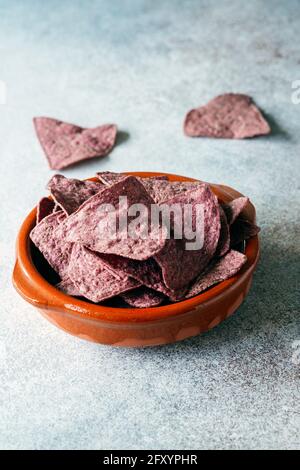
[{"x": 34, "y": 288}]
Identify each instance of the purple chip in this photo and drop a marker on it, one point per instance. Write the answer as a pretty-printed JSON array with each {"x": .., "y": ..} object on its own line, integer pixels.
[
  {"x": 109, "y": 177},
  {"x": 142, "y": 297},
  {"x": 234, "y": 208},
  {"x": 224, "y": 240},
  {"x": 54, "y": 248},
  {"x": 180, "y": 260},
  {"x": 45, "y": 207},
  {"x": 70, "y": 194},
  {"x": 218, "y": 271},
  {"x": 65, "y": 144},
  {"x": 93, "y": 279},
  {"x": 231, "y": 116},
  {"x": 159, "y": 187},
  {"x": 93, "y": 224},
  {"x": 146, "y": 272}
]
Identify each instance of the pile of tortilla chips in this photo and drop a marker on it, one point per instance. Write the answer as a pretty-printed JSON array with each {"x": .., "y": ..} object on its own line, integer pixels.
[{"x": 137, "y": 271}]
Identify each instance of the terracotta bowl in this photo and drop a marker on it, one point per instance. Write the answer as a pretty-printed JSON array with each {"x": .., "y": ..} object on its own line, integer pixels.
[{"x": 129, "y": 326}]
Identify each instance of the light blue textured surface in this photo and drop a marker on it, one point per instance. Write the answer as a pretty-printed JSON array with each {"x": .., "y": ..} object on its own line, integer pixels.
[{"x": 143, "y": 64}]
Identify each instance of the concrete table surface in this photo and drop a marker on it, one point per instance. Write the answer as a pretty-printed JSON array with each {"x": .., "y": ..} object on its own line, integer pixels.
[{"x": 143, "y": 64}]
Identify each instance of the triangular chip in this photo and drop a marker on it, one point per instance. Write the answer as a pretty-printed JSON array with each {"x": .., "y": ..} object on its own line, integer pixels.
[
  {"x": 65, "y": 144},
  {"x": 146, "y": 272},
  {"x": 231, "y": 116},
  {"x": 218, "y": 271},
  {"x": 93, "y": 279},
  {"x": 109, "y": 177},
  {"x": 181, "y": 265},
  {"x": 92, "y": 224},
  {"x": 54, "y": 248},
  {"x": 70, "y": 194}
]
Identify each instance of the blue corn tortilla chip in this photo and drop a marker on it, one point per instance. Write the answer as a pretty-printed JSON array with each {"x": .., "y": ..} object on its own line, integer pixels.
[
  {"x": 224, "y": 240},
  {"x": 180, "y": 265},
  {"x": 54, "y": 248},
  {"x": 218, "y": 271},
  {"x": 65, "y": 144},
  {"x": 70, "y": 194},
  {"x": 241, "y": 230},
  {"x": 89, "y": 226},
  {"x": 142, "y": 297},
  {"x": 146, "y": 272},
  {"x": 234, "y": 208},
  {"x": 229, "y": 116},
  {"x": 159, "y": 187},
  {"x": 93, "y": 279},
  {"x": 45, "y": 207}
]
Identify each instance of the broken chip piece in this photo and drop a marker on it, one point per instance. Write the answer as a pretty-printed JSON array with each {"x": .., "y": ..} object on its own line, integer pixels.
[
  {"x": 231, "y": 116},
  {"x": 65, "y": 144},
  {"x": 224, "y": 240}
]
